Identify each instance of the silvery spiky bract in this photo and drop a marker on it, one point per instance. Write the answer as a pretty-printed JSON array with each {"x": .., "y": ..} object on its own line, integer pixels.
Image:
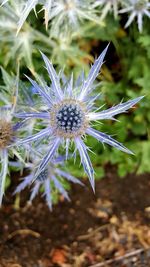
[
  {"x": 51, "y": 177},
  {"x": 20, "y": 46},
  {"x": 70, "y": 113},
  {"x": 31, "y": 4},
  {"x": 107, "y": 6},
  {"x": 136, "y": 8}
]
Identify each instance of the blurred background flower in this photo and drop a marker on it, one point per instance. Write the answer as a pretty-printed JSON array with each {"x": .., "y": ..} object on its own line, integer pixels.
[
  {"x": 137, "y": 9},
  {"x": 53, "y": 178}
]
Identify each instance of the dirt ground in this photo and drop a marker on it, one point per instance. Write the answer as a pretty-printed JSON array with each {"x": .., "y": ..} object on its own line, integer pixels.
[{"x": 111, "y": 228}]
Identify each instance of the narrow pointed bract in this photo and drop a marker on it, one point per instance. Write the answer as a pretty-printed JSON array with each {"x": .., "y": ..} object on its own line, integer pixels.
[
  {"x": 104, "y": 138},
  {"x": 40, "y": 90},
  {"x": 86, "y": 87},
  {"x": 54, "y": 77},
  {"x": 113, "y": 111},
  {"x": 86, "y": 162},
  {"x": 49, "y": 155},
  {"x": 3, "y": 173},
  {"x": 30, "y": 4}
]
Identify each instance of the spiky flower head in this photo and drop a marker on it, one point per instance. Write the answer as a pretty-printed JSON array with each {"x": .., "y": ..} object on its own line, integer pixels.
[
  {"x": 53, "y": 176},
  {"x": 63, "y": 13},
  {"x": 70, "y": 114},
  {"x": 136, "y": 8}
]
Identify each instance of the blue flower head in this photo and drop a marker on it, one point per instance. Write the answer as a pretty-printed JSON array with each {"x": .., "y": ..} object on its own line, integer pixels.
[
  {"x": 70, "y": 113},
  {"x": 49, "y": 178}
]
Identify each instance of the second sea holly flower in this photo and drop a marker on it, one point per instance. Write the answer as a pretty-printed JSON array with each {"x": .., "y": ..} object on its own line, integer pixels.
[
  {"x": 70, "y": 113},
  {"x": 137, "y": 9}
]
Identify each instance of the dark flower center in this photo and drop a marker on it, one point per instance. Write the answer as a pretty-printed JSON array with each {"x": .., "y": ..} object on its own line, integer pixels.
[
  {"x": 141, "y": 4},
  {"x": 70, "y": 118}
]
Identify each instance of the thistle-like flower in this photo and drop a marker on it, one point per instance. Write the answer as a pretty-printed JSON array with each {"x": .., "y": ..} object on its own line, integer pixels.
[
  {"x": 51, "y": 177},
  {"x": 137, "y": 8},
  {"x": 62, "y": 12},
  {"x": 70, "y": 113},
  {"x": 8, "y": 135},
  {"x": 66, "y": 15},
  {"x": 107, "y": 6}
]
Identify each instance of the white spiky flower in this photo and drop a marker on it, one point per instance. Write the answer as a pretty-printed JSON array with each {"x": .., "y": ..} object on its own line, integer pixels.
[
  {"x": 137, "y": 8},
  {"x": 66, "y": 14},
  {"x": 62, "y": 12}
]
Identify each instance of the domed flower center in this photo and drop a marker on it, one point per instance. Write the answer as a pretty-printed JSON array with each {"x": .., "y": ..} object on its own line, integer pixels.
[
  {"x": 42, "y": 176},
  {"x": 6, "y": 134},
  {"x": 140, "y": 5},
  {"x": 69, "y": 119},
  {"x": 69, "y": 4}
]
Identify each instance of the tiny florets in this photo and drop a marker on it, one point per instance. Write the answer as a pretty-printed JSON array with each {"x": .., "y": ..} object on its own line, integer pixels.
[
  {"x": 6, "y": 133},
  {"x": 69, "y": 118}
]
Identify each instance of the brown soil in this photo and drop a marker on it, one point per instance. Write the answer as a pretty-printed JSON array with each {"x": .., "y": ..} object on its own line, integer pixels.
[{"x": 108, "y": 229}]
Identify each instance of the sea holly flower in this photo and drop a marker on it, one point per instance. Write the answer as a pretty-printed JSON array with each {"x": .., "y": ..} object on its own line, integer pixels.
[
  {"x": 107, "y": 6},
  {"x": 136, "y": 8},
  {"x": 8, "y": 136},
  {"x": 65, "y": 15},
  {"x": 61, "y": 11},
  {"x": 71, "y": 110},
  {"x": 51, "y": 177}
]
